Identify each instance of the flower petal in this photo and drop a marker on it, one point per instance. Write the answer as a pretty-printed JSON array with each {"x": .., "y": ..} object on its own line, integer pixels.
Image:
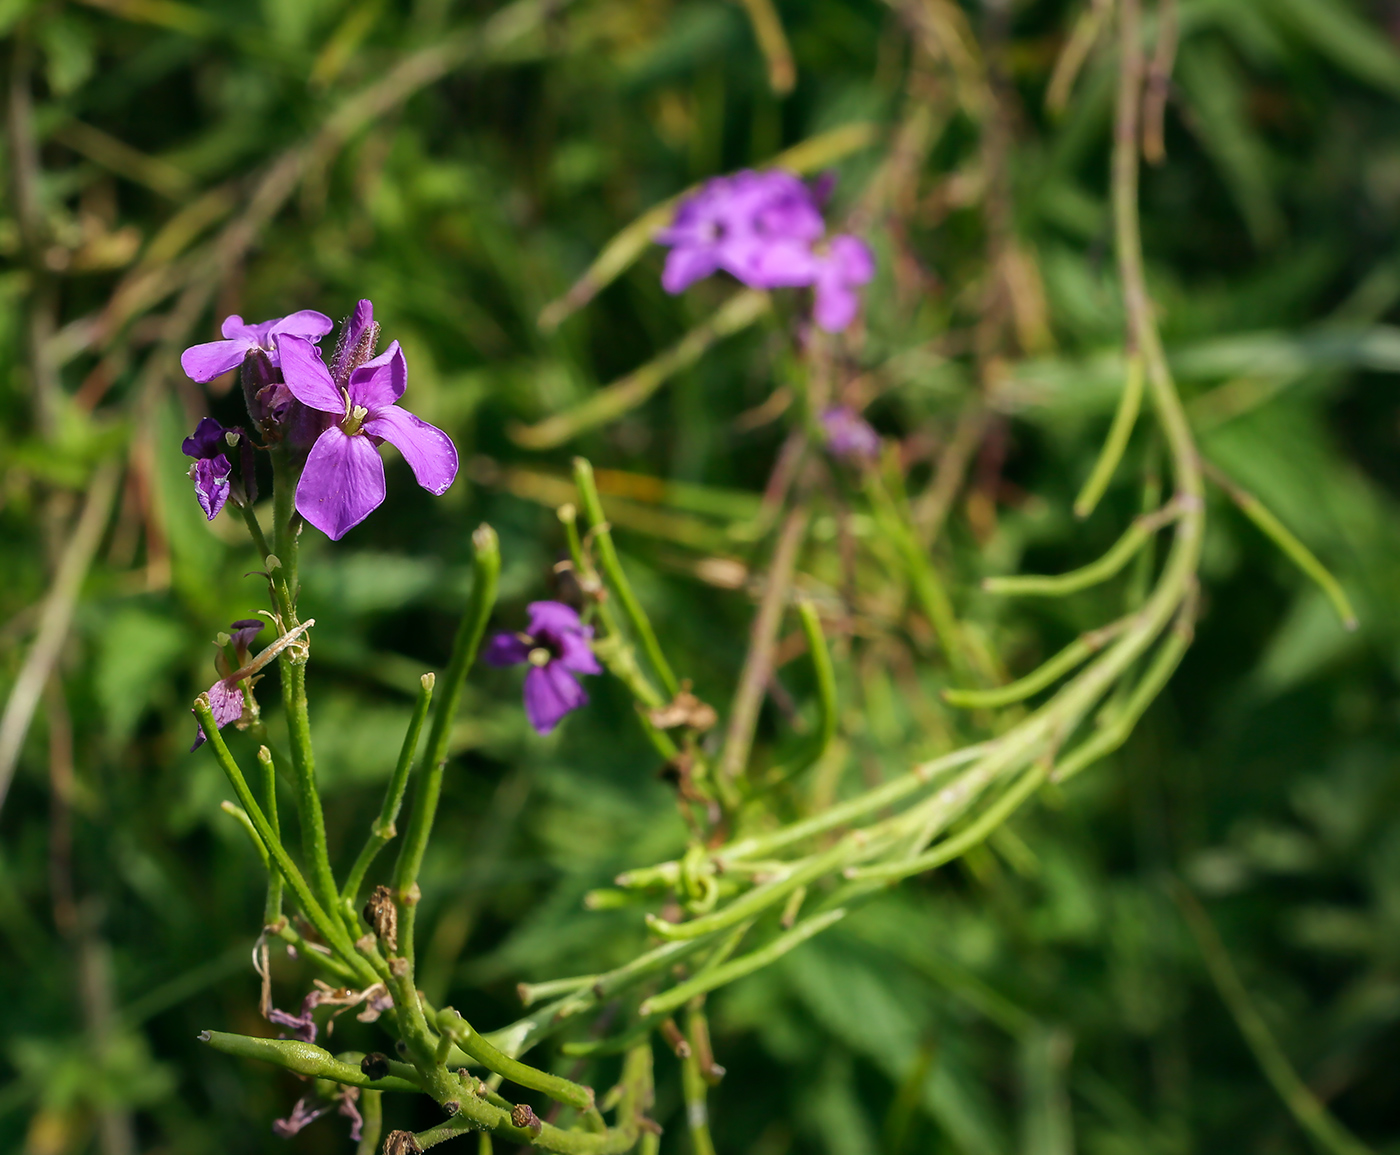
[
  {"x": 427, "y": 449},
  {"x": 686, "y": 265},
  {"x": 379, "y": 383},
  {"x": 835, "y": 306},
  {"x": 305, "y": 323},
  {"x": 207, "y": 440},
  {"x": 555, "y": 617},
  {"x": 342, "y": 484},
  {"x": 211, "y": 484},
  {"x": 225, "y": 703},
  {"x": 577, "y": 655},
  {"x": 306, "y": 375},
  {"x": 234, "y": 327},
  {"x": 506, "y": 650},
  {"x": 205, "y": 362},
  {"x": 852, "y": 256},
  {"x": 550, "y": 693}
]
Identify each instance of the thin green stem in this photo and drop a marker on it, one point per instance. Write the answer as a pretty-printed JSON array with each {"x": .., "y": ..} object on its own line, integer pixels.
[
  {"x": 1138, "y": 534},
  {"x": 1293, "y": 549},
  {"x": 451, "y": 1025},
  {"x": 827, "y": 705},
  {"x": 1073, "y": 655},
  {"x": 328, "y": 928},
  {"x": 304, "y": 1059},
  {"x": 1124, "y": 418},
  {"x": 612, "y": 569},
  {"x": 383, "y": 828},
  {"x": 487, "y": 566},
  {"x": 272, "y": 910},
  {"x": 372, "y": 1113},
  {"x": 309, "y": 813},
  {"x": 1303, "y": 1105},
  {"x": 719, "y": 976}
]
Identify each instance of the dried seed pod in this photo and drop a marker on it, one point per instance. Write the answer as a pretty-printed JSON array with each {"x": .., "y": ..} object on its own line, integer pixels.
[
  {"x": 374, "y": 1065},
  {"x": 381, "y": 914},
  {"x": 523, "y": 1115},
  {"x": 401, "y": 1143}
]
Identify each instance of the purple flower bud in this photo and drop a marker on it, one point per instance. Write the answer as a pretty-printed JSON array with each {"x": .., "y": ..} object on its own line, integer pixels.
[
  {"x": 210, "y": 472},
  {"x": 556, "y": 647}
]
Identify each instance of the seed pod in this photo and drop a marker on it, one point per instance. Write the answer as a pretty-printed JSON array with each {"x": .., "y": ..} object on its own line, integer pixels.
[{"x": 381, "y": 914}]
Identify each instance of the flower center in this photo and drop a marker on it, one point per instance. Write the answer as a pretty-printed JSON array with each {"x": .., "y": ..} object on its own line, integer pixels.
[{"x": 354, "y": 415}]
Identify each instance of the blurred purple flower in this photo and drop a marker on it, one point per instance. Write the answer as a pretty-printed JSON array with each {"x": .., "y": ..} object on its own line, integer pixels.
[
  {"x": 205, "y": 362},
  {"x": 752, "y": 225},
  {"x": 225, "y": 695},
  {"x": 210, "y": 472},
  {"x": 846, "y": 264},
  {"x": 343, "y": 481},
  {"x": 848, "y": 434},
  {"x": 556, "y": 646},
  {"x": 765, "y": 230}
]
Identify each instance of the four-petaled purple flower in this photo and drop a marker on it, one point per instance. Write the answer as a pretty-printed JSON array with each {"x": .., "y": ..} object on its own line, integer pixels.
[
  {"x": 556, "y": 646},
  {"x": 208, "y": 446},
  {"x": 205, "y": 362},
  {"x": 848, "y": 434},
  {"x": 343, "y": 481},
  {"x": 765, "y": 229},
  {"x": 225, "y": 695}
]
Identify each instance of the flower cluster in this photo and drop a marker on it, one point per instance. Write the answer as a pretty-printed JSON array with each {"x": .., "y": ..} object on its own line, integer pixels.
[
  {"x": 332, "y": 419},
  {"x": 766, "y": 229},
  {"x": 556, "y": 647}
]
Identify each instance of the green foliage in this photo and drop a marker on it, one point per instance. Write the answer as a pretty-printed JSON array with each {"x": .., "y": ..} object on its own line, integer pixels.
[{"x": 1043, "y": 993}]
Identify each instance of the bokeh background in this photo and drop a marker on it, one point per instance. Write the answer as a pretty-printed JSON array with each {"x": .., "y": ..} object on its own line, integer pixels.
[{"x": 169, "y": 162}]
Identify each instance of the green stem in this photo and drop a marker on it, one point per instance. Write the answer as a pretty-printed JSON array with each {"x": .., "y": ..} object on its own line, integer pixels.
[
  {"x": 1124, "y": 418},
  {"x": 451, "y": 1025},
  {"x": 487, "y": 566},
  {"x": 303, "y": 1059},
  {"x": 1076, "y": 653},
  {"x": 372, "y": 1112},
  {"x": 328, "y": 928},
  {"x": 1124, "y": 550},
  {"x": 612, "y": 568},
  {"x": 383, "y": 828},
  {"x": 1293, "y": 549},
  {"x": 827, "y": 705},
  {"x": 1304, "y": 1106},
  {"x": 309, "y": 813},
  {"x": 719, "y": 976},
  {"x": 272, "y": 910}
]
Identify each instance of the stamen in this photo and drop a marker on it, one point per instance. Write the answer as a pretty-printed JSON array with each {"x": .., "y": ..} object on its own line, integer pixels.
[{"x": 539, "y": 656}]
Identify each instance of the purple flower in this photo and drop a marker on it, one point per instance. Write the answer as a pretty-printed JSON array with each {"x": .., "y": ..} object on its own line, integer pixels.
[
  {"x": 846, "y": 264},
  {"x": 765, "y": 229},
  {"x": 752, "y": 225},
  {"x": 556, "y": 647},
  {"x": 225, "y": 695},
  {"x": 848, "y": 434},
  {"x": 205, "y": 362},
  {"x": 211, "y": 468},
  {"x": 343, "y": 481}
]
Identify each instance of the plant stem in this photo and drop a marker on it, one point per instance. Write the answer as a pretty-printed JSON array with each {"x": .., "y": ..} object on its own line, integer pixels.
[
  {"x": 383, "y": 828},
  {"x": 487, "y": 566},
  {"x": 617, "y": 578}
]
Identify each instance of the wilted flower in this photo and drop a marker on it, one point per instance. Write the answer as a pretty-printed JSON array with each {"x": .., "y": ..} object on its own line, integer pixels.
[
  {"x": 848, "y": 434},
  {"x": 557, "y": 648},
  {"x": 210, "y": 472},
  {"x": 765, "y": 230},
  {"x": 225, "y": 695},
  {"x": 343, "y": 481},
  {"x": 205, "y": 362}
]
